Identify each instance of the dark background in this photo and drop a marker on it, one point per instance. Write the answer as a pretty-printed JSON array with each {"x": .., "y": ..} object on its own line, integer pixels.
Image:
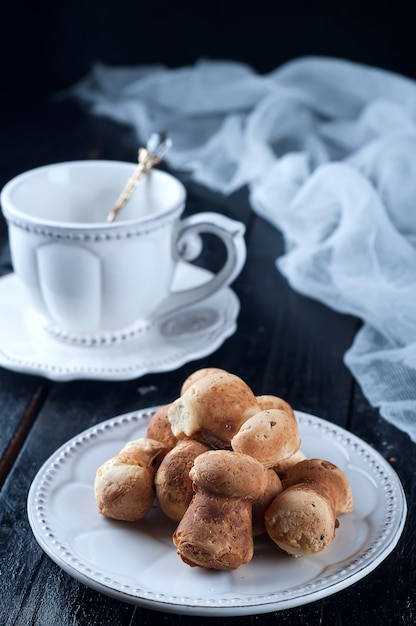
[{"x": 49, "y": 44}]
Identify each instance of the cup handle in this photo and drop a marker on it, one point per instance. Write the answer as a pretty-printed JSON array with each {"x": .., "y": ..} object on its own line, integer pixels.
[{"x": 187, "y": 245}]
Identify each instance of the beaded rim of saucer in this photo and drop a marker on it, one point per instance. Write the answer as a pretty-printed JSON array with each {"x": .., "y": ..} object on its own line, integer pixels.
[
  {"x": 99, "y": 339},
  {"x": 180, "y": 324},
  {"x": 26, "y": 347}
]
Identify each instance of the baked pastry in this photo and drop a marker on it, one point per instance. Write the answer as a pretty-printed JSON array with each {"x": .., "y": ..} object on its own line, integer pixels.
[
  {"x": 173, "y": 485},
  {"x": 269, "y": 401},
  {"x": 284, "y": 464},
  {"x": 159, "y": 428},
  {"x": 212, "y": 409},
  {"x": 330, "y": 477},
  {"x": 269, "y": 436},
  {"x": 216, "y": 529},
  {"x": 301, "y": 519},
  {"x": 261, "y": 504},
  {"x": 227, "y": 466},
  {"x": 196, "y": 375},
  {"x": 123, "y": 485}
]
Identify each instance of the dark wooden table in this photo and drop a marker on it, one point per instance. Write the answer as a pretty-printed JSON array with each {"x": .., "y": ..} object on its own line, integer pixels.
[{"x": 285, "y": 344}]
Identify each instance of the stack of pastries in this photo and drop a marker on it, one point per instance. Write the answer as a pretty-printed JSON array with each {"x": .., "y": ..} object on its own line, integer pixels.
[{"x": 226, "y": 465}]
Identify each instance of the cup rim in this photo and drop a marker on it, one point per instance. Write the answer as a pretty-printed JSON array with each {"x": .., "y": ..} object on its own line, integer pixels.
[{"x": 13, "y": 214}]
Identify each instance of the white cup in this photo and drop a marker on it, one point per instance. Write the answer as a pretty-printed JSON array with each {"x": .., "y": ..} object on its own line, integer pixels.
[{"x": 93, "y": 281}]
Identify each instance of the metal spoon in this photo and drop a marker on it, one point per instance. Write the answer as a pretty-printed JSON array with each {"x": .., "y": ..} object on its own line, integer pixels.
[{"x": 156, "y": 148}]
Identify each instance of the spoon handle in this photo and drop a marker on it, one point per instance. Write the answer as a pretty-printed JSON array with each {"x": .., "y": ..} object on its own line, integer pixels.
[{"x": 147, "y": 158}]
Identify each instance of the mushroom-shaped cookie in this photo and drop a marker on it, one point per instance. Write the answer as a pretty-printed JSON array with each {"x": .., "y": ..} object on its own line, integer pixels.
[
  {"x": 174, "y": 490},
  {"x": 216, "y": 530},
  {"x": 212, "y": 409},
  {"x": 328, "y": 475},
  {"x": 196, "y": 375},
  {"x": 159, "y": 428},
  {"x": 124, "y": 484},
  {"x": 274, "y": 402},
  {"x": 269, "y": 436},
  {"x": 301, "y": 519}
]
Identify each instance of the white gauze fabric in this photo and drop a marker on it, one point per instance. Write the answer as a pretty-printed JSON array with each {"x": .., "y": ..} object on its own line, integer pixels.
[{"x": 327, "y": 149}]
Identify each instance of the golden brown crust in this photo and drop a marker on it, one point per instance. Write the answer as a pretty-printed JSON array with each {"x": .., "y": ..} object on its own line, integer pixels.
[
  {"x": 159, "y": 428},
  {"x": 261, "y": 504},
  {"x": 218, "y": 403},
  {"x": 227, "y": 466},
  {"x": 196, "y": 375},
  {"x": 230, "y": 474},
  {"x": 301, "y": 519},
  {"x": 173, "y": 485},
  {"x": 143, "y": 452},
  {"x": 269, "y": 401},
  {"x": 269, "y": 436},
  {"x": 331, "y": 477},
  {"x": 283, "y": 465},
  {"x": 215, "y": 532},
  {"x": 123, "y": 485}
]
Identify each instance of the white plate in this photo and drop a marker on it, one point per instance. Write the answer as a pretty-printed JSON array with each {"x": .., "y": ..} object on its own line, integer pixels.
[
  {"x": 25, "y": 345},
  {"x": 137, "y": 563}
]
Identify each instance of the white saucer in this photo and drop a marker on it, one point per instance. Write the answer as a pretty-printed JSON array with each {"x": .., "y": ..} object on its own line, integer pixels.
[
  {"x": 137, "y": 563},
  {"x": 25, "y": 345}
]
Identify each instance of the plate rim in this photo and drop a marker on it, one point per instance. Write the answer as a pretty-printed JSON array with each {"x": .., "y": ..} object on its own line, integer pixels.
[{"x": 229, "y": 608}]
